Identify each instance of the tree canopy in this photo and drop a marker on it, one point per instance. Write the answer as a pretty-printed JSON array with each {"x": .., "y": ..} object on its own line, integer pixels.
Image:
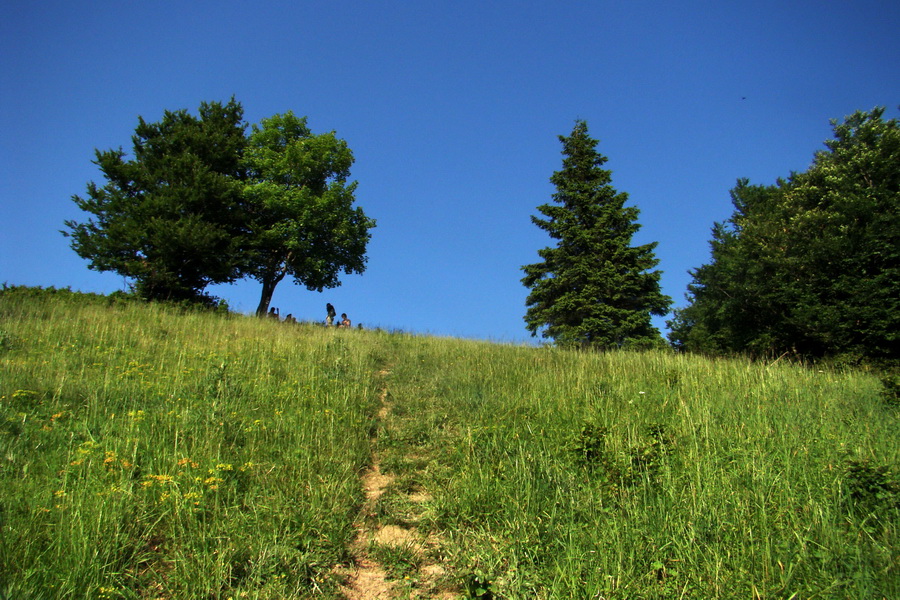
[
  {"x": 200, "y": 202},
  {"x": 593, "y": 288},
  {"x": 171, "y": 218},
  {"x": 303, "y": 220},
  {"x": 811, "y": 264}
]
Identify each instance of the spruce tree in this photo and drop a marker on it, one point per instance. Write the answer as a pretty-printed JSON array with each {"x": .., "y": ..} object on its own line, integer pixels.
[{"x": 593, "y": 288}]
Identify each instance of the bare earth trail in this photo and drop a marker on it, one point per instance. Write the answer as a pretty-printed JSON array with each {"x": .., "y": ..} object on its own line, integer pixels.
[{"x": 369, "y": 579}]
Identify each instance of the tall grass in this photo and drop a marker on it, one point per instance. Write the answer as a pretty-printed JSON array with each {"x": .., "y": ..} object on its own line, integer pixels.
[
  {"x": 147, "y": 452},
  {"x": 620, "y": 475}
]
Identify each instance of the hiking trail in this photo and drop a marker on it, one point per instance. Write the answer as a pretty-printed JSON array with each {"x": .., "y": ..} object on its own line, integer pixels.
[{"x": 368, "y": 578}]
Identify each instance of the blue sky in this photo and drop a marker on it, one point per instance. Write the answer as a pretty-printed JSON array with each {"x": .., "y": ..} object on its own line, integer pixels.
[{"x": 453, "y": 112}]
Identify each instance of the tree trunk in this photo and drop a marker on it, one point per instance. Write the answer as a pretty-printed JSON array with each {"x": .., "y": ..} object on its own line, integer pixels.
[{"x": 268, "y": 290}]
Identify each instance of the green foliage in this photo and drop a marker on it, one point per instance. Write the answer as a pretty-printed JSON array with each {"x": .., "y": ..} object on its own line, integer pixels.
[
  {"x": 200, "y": 203},
  {"x": 590, "y": 447},
  {"x": 478, "y": 586},
  {"x": 147, "y": 447},
  {"x": 641, "y": 462},
  {"x": 149, "y": 450},
  {"x": 811, "y": 265},
  {"x": 871, "y": 489},
  {"x": 172, "y": 217},
  {"x": 593, "y": 289},
  {"x": 553, "y": 476},
  {"x": 398, "y": 560},
  {"x": 890, "y": 392},
  {"x": 304, "y": 224}
]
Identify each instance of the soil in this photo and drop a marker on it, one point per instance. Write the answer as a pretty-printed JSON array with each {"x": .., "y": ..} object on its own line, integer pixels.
[{"x": 368, "y": 579}]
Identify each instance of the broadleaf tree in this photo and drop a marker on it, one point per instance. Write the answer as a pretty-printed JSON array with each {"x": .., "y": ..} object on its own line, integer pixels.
[
  {"x": 171, "y": 217},
  {"x": 303, "y": 223},
  {"x": 809, "y": 266},
  {"x": 593, "y": 288},
  {"x": 737, "y": 292}
]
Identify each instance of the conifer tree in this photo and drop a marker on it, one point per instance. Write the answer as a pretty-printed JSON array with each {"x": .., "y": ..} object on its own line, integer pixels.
[
  {"x": 593, "y": 288},
  {"x": 171, "y": 218}
]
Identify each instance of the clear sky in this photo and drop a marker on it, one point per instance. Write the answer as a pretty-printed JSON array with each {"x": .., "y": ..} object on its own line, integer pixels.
[{"x": 453, "y": 112}]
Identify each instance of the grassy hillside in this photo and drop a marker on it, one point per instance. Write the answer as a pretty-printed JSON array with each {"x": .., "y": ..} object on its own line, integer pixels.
[{"x": 150, "y": 452}]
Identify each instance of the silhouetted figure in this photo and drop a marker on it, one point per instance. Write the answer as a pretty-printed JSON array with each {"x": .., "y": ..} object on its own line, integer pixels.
[
  {"x": 273, "y": 313},
  {"x": 331, "y": 314}
]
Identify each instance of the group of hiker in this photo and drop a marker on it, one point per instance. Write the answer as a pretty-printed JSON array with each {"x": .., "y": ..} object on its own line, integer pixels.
[
  {"x": 331, "y": 314},
  {"x": 329, "y": 319}
]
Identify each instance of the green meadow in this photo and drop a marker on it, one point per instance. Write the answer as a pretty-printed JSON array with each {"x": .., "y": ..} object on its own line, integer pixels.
[{"x": 156, "y": 452}]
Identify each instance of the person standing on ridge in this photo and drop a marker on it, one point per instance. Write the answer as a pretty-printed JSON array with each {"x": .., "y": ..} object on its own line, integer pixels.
[{"x": 331, "y": 314}]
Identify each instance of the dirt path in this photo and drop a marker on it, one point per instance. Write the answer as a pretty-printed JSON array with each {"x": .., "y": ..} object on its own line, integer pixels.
[{"x": 369, "y": 579}]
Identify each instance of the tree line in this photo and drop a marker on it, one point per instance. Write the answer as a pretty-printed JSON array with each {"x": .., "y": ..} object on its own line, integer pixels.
[
  {"x": 808, "y": 266},
  {"x": 203, "y": 201}
]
